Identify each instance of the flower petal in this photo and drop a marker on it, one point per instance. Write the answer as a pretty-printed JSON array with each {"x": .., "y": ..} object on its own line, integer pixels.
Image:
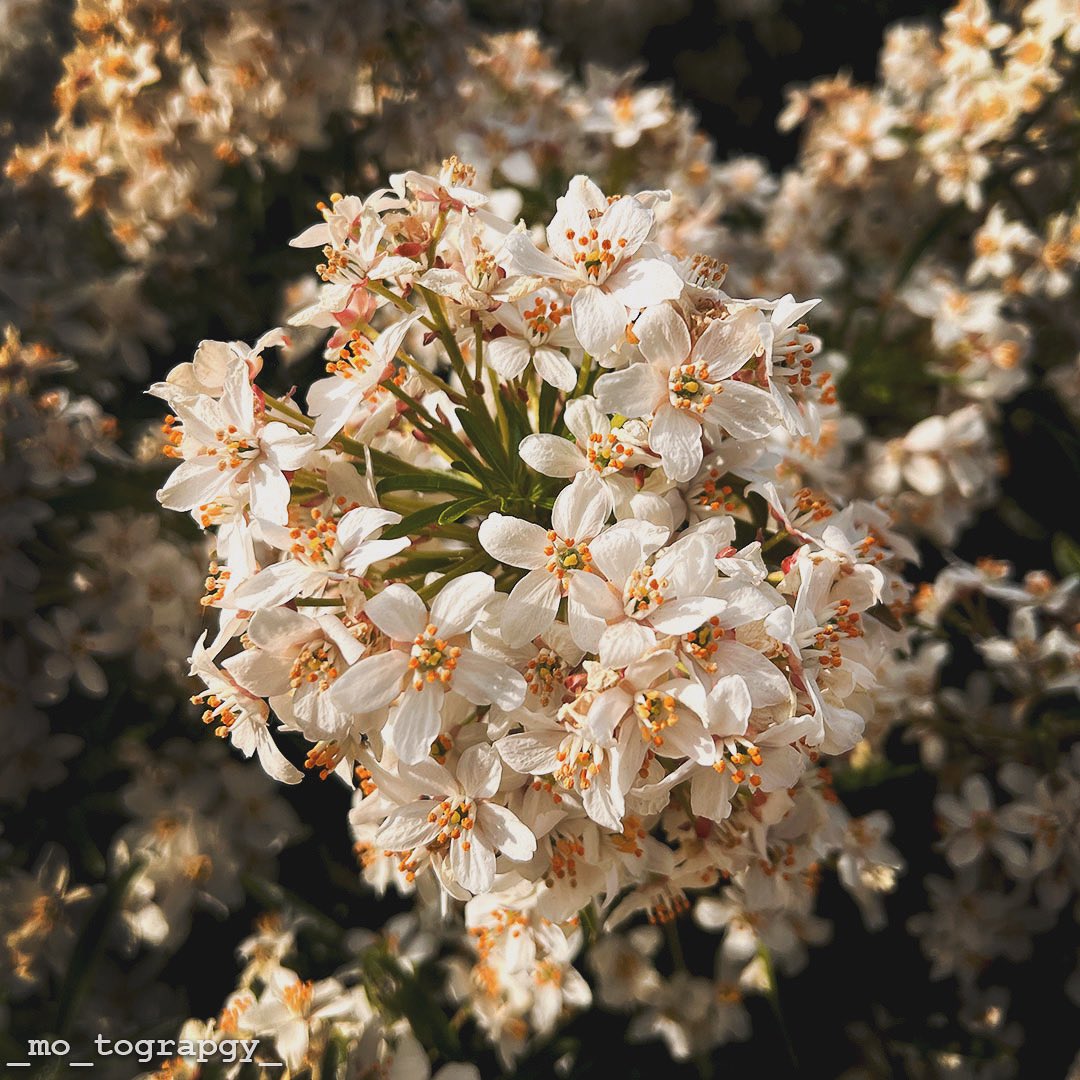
[
  {"x": 530, "y": 608},
  {"x": 485, "y": 681},
  {"x": 397, "y": 611},
  {"x": 676, "y": 437},
  {"x": 551, "y": 455},
  {"x": 599, "y": 319},
  {"x": 662, "y": 336},
  {"x": 513, "y": 541}
]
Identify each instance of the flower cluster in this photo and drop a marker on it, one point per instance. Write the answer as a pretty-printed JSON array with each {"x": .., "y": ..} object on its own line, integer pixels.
[
  {"x": 934, "y": 213},
  {"x": 529, "y": 573}
]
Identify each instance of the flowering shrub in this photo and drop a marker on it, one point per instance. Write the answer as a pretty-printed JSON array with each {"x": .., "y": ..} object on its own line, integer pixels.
[
  {"x": 529, "y": 572},
  {"x": 642, "y": 636}
]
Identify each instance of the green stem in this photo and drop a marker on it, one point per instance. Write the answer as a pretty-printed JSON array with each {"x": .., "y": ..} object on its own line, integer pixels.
[
  {"x": 583, "y": 375},
  {"x": 398, "y": 301},
  {"x": 773, "y": 994}
]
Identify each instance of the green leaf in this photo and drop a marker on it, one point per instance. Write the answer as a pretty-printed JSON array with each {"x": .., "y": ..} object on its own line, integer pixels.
[
  {"x": 443, "y": 513},
  {"x": 414, "y": 522},
  {"x": 459, "y": 509},
  {"x": 427, "y": 481},
  {"x": 485, "y": 439},
  {"x": 90, "y": 947},
  {"x": 1066, "y": 554}
]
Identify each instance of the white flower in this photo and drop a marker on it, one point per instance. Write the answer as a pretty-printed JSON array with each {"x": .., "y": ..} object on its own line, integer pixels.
[
  {"x": 228, "y": 447},
  {"x": 558, "y": 560},
  {"x": 538, "y": 329},
  {"x": 428, "y": 659},
  {"x": 597, "y": 445},
  {"x": 973, "y": 827},
  {"x": 242, "y": 716},
  {"x": 293, "y": 661},
  {"x": 328, "y": 554},
  {"x": 454, "y": 817},
  {"x": 649, "y": 594},
  {"x": 593, "y": 243},
  {"x": 359, "y": 367},
  {"x": 679, "y": 388}
]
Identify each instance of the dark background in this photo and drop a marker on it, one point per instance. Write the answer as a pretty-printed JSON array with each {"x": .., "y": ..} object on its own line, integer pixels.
[{"x": 734, "y": 73}]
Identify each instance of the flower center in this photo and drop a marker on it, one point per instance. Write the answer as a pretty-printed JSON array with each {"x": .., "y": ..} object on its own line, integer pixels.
[
  {"x": 316, "y": 544},
  {"x": 643, "y": 593},
  {"x": 743, "y": 765},
  {"x": 594, "y": 258},
  {"x": 579, "y": 762},
  {"x": 353, "y": 358},
  {"x": 298, "y": 996},
  {"x": 432, "y": 659},
  {"x": 544, "y": 675},
  {"x": 542, "y": 320},
  {"x": 656, "y": 712},
  {"x": 484, "y": 272},
  {"x": 453, "y": 818},
  {"x": 605, "y": 453},
  {"x": 566, "y": 556},
  {"x": 701, "y": 643},
  {"x": 314, "y": 666},
  {"x": 688, "y": 388}
]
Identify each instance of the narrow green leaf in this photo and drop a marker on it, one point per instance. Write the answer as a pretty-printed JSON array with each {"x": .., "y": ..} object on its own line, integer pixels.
[
  {"x": 427, "y": 481},
  {"x": 1066, "y": 555},
  {"x": 90, "y": 947}
]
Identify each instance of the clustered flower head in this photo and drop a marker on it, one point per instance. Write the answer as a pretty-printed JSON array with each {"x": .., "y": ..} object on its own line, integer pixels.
[
  {"x": 933, "y": 213},
  {"x": 529, "y": 567}
]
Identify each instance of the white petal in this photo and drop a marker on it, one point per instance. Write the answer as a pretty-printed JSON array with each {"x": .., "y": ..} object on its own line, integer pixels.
[
  {"x": 506, "y": 832},
  {"x": 676, "y": 437},
  {"x": 526, "y": 258},
  {"x": 625, "y": 642},
  {"x": 596, "y": 596},
  {"x": 473, "y": 863},
  {"x": 530, "y": 608},
  {"x": 582, "y": 508},
  {"x": 551, "y": 455},
  {"x": 274, "y": 585},
  {"x": 635, "y": 391},
  {"x": 554, "y": 368},
  {"x": 644, "y": 282},
  {"x": 625, "y": 222},
  {"x": 604, "y": 804},
  {"x": 509, "y": 356},
  {"x": 514, "y": 541},
  {"x": 414, "y": 724},
  {"x": 599, "y": 319},
  {"x": 333, "y": 401},
  {"x": 357, "y": 525},
  {"x": 663, "y": 337},
  {"x": 370, "y": 683},
  {"x": 728, "y": 344},
  {"x": 683, "y": 616},
  {"x": 488, "y": 682},
  {"x": 407, "y": 827},
  {"x": 397, "y": 611},
  {"x": 269, "y": 493},
  {"x": 585, "y": 626},
  {"x": 605, "y": 712},
  {"x": 747, "y": 412},
  {"x": 273, "y": 761},
  {"x": 459, "y": 603},
  {"x": 531, "y": 753},
  {"x": 194, "y": 482},
  {"x": 479, "y": 771},
  {"x": 285, "y": 447},
  {"x": 728, "y": 706}
]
